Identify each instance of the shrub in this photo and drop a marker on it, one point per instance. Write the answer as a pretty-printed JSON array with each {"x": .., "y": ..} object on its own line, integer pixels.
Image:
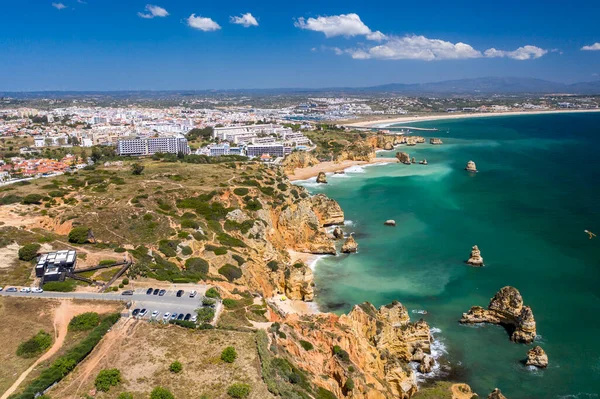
[
  {"x": 137, "y": 169},
  {"x": 32, "y": 199},
  {"x": 238, "y": 259},
  {"x": 35, "y": 345},
  {"x": 186, "y": 251},
  {"x": 306, "y": 345},
  {"x": 342, "y": 354},
  {"x": 85, "y": 321},
  {"x": 189, "y": 224},
  {"x": 241, "y": 191},
  {"x": 56, "y": 193},
  {"x": 220, "y": 251},
  {"x": 253, "y": 205},
  {"x": 205, "y": 315},
  {"x": 239, "y": 391},
  {"x": 230, "y": 303},
  {"x": 323, "y": 393},
  {"x": 107, "y": 378},
  {"x": 212, "y": 293},
  {"x": 124, "y": 395},
  {"x": 79, "y": 235},
  {"x": 230, "y": 272},
  {"x": 176, "y": 367},
  {"x": 349, "y": 385},
  {"x": 273, "y": 265},
  {"x": 161, "y": 393},
  {"x": 196, "y": 265},
  {"x": 168, "y": 247},
  {"x": 29, "y": 251},
  {"x": 282, "y": 187},
  {"x": 10, "y": 199},
  {"x": 125, "y": 281},
  {"x": 230, "y": 241},
  {"x": 208, "y": 302},
  {"x": 229, "y": 354},
  {"x": 60, "y": 286}
]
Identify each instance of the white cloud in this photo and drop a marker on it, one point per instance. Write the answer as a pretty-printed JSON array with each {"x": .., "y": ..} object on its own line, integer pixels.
[
  {"x": 522, "y": 53},
  {"x": 59, "y": 6},
  {"x": 592, "y": 47},
  {"x": 153, "y": 11},
  {"x": 348, "y": 25},
  {"x": 246, "y": 20},
  {"x": 203, "y": 24}
]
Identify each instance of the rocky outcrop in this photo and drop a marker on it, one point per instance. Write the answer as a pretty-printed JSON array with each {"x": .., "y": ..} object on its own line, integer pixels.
[
  {"x": 471, "y": 167},
  {"x": 475, "y": 259},
  {"x": 338, "y": 234},
  {"x": 299, "y": 159},
  {"x": 388, "y": 146},
  {"x": 496, "y": 394},
  {"x": 435, "y": 141},
  {"x": 328, "y": 211},
  {"x": 350, "y": 245},
  {"x": 322, "y": 178},
  {"x": 299, "y": 282},
  {"x": 537, "y": 357},
  {"x": 403, "y": 157},
  {"x": 237, "y": 215},
  {"x": 390, "y": 222},
  {"x": 506, "y": 308}
]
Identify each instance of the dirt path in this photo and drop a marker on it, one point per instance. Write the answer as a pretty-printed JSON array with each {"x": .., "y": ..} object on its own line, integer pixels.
[{"x": 62, "y": 316}]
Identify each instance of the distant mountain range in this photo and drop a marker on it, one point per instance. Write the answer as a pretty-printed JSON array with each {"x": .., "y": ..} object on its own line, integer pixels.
[{"x": 477, "y": 86}]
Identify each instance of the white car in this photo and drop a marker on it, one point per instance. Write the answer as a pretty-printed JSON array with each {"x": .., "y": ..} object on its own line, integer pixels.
[
  {"x": 25, "y": 289},
  {"x": 192, "y": 294},
  {"x": 0, "y": 289},
  {"x": 194, "y": 318},
  {"x": 37, "y": 290},
  {"x": 155, "y": 314},
  {"x": 166, "y": 316}
]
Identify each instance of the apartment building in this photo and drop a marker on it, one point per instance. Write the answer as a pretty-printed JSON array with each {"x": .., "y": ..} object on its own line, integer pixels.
[{"x": 153, "y": 145}]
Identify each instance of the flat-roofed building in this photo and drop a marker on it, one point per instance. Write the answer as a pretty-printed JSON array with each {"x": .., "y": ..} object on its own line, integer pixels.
[
  {"x": 153, "y": 145},
  {"x": 273, "y": 149},
  {"x": 54, "y": 266}
]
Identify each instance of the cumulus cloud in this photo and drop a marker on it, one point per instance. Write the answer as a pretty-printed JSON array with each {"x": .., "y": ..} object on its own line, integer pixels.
[
  {"x": 348, "y": 25},
  {"x": 522, "y": 53},
  {"x": 153, "y": 11},
  {"x": 246, "y": 20},
  {"x": 202, "y": 23},
  {"x": 59, "y": 6},
  {"x": 592, "y": 47}
]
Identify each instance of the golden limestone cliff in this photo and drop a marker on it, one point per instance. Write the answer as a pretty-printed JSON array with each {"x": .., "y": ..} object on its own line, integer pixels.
[
  {"x": 370, "y": 347},
  {"x": 299, "y": 159}
]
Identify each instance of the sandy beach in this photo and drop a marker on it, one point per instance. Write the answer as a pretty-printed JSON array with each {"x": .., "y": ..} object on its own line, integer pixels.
[
  {"x": 415, "y": 118},
  {"x": 330, "y": 166}
]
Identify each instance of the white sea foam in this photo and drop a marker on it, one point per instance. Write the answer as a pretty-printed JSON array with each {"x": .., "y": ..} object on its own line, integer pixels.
[
  {"x": 419, "y": 311},
  {"x": 348, "y": 223},
  {"x": 355, "y": 169},
  {"x": 438, "y": 349},
  {"x": 313, "y": 263}
]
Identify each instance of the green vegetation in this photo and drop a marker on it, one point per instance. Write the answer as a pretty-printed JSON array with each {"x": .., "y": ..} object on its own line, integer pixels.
[
  {"x": 84, "y": 322},
  {"x": 79, "y": 235},
  {"x": 230, "y": 272},
  {"x": 306, "y": 345},
  {"x": 67, "y": 362},
  {"x": 273, "y": 265},
  {"x": 136, "y": 169},
  {"x": 241, "y": 191},
  {"x": 168, "y": 247},
  {"x": 323, "y": 393},
  {"x": 176, "y": 367},
  {"x": 29, "y": 252},
  {"x": 349, "y": 384},
  {"x": 184, "y": 323},
  {"x": 229, "y": 354},
  {"x": 230, "y": 241},
  {"x": 205, "y": 315},
  {"x": 240, "y": 260},
  {"x": 161, "y": 393},
  {"x": 32, "y": 199},
  {"x": 196, "y": 265},
  {"x": 60, "y": 286},
  {"x": 439, "y": 390},
  {"x": 107, "y": 378},
  {"x": 340, "y": 353},
  {"x": 212, "y": 293},
  {"x": 124, "y": 395},
  {"x": 35, "y": 345},
  {"x": 238, "y": 391}
]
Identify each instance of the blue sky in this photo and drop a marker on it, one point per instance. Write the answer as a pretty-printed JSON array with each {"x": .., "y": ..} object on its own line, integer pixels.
[{"x": 192, "y": 44}]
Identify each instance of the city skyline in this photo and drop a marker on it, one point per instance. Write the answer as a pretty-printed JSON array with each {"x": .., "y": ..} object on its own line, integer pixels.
[{"x": 76, "y": 45}]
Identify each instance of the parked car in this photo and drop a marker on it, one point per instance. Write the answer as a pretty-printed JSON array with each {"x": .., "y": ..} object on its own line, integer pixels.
[
  {"x": 135, "y": 312},
  {"x": 155, "y": 314},
  {"x": 174, "y": 316},
  {"x": 128, "y": 292},
  {"x": 180, "y": 316},
  {"x": 143, "y": 312},
  {"x": 193, "y": 294},
  {"x": 149, "y": 291},
  {"x": 0, "y": 289},
  {"x": 37, "y": 290},
  {"x": 155, "y": 292},
  {"x": 166, "y": 316},
  {"x": 11, "y": 289},
  {"x": 162, "y": 293},
  {"x": 194, "y": 318},
  {"x": 180, "y": 293},
  {"x": 25, "y": 289},
  {"x": 187, "y": 317}
]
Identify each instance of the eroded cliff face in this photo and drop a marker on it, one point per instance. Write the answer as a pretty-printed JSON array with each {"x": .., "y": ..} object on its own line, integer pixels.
[
  {"x": 299, "y": 159},
  {"x": 328, "y": 211},
  {"x": 506, "y": 308},
  {"x": 369, "y": 346}
]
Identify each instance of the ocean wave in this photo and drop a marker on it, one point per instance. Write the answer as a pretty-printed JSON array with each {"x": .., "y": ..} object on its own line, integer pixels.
[
  {"x": 580, "y": 395},
  {"x": 438, "y": 350},
  {"x": 420, "y": 311},
  {"x": 348, "y": 223},
  {"x": 355, "y": 169}
]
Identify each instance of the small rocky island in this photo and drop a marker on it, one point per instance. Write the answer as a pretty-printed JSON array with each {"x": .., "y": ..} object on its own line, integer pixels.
[
  {"x": 403, "y": 157},
  {"x": 506, "y": 309},
  {"x": 475, "y": 259},
  {"x": 390, "y": 222},
  {"x": 471, "y": 167},
  {"x": 350, "y": 245},
  {"x": 537, "y": 357},
  {"x": 322, "y": 178},
  {"x": 435, "y": 141},
  {"x": 338, "y": 233}
]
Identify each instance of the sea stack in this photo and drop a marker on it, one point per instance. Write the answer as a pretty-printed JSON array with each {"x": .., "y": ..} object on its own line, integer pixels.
[
  {"x": 471, "y": 167},
  {"x": 388, "y": 146},
  {"x": 537, "y": 357},
  {"x": 338, "y": 233},
  {"x": 506, "y": 308},
  {"x": 435, "y": 141},
  {"x": 350, "y": 245},
  {"x": 403, "y": 157},
  {"x": 322, "y": 178},
  {"x": 475, "y": 259},
  {"x": 496, "y": 394},
  {"x": 390, "y": 222}
]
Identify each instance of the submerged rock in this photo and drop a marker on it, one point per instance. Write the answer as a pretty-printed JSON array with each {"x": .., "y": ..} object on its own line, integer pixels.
[
  {"x": 471, "y": 167},
  {"x": 322, "y": 178},
  {"x": 350, "y": 245},
  {"x": 475, "y": 259},
  {"x": 338, "y": 234},
  {"x": 537, "y": 357},
  {"x": 496, "y": 394},
  {"x": 506, "y": 308},
  {"x": 390, "y": 222}
]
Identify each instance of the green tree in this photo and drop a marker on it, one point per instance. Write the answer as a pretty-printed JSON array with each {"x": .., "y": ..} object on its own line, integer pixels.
[
  {"x": 239, "y": 391},
  {"x": 84, "y": 321},
  {"x": 107, "y": 378},
  {"x": 176, "y": 367},
  {"x": 137, "y": 169},
  {"x": 29, "y": 251},
  {"x": 161, "y": 393},
  {"x": 229, "y": 354},
  {"x": 79, "y": 235},
  {"x": 32, "y": 199}
]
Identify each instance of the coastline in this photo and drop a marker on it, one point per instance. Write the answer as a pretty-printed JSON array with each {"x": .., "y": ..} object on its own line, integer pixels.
[
  {"x": 382, "y": 123},
  {"x": 331, "y": 167}
]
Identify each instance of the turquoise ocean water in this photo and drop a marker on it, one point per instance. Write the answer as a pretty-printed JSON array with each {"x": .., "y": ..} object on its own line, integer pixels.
[{"x": 538, "y": 189}]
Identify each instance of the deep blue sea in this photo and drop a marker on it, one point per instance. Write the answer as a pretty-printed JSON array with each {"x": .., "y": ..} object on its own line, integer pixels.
[{"x": 537, "y": 190}]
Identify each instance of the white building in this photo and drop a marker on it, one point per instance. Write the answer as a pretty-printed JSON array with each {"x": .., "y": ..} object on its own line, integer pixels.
[
  {"x": 273, "y": 149},
  {"x": 150, "y": 146}
]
